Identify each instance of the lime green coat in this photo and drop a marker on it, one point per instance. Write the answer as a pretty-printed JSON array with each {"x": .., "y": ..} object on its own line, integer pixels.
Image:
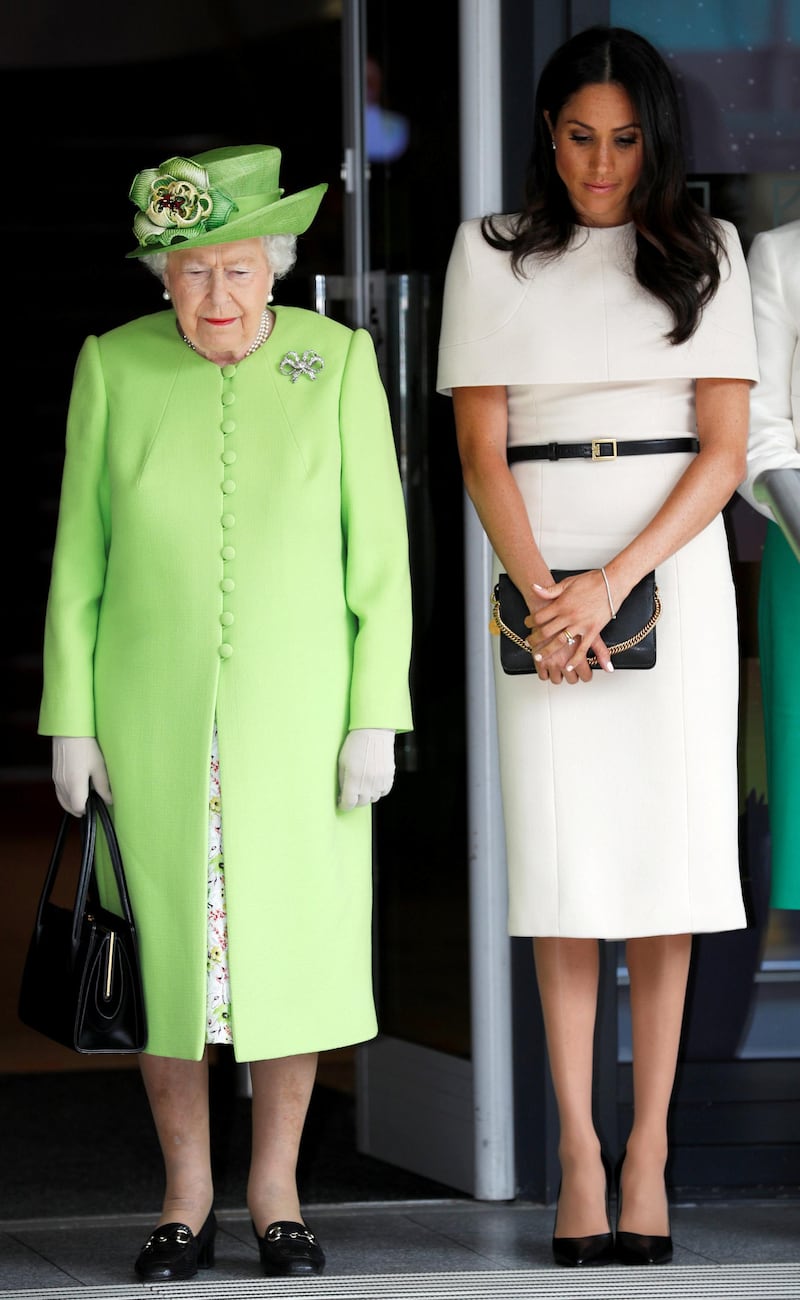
[{"x": 232, "y": 544}]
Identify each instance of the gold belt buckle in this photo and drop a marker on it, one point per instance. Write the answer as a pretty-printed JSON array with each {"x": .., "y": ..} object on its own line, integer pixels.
[{"x": 597, "y": 443}]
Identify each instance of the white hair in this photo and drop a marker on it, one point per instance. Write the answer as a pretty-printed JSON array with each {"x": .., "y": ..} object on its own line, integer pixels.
[{"x": 281, "y": 252}]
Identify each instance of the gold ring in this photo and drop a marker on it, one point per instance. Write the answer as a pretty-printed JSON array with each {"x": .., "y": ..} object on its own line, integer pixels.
[{"x": 568, "y": 637}]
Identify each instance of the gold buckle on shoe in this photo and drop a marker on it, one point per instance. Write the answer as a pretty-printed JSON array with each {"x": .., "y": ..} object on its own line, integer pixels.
[{"x": 598, "y": 443}]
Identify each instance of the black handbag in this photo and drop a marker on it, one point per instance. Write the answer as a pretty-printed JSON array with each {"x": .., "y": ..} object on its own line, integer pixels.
[
  {"x": 81, "y": 984},
  {"x": 630, "y": 637}
]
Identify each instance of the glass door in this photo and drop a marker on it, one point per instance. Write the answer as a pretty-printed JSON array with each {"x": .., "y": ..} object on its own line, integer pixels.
[{"x": 413, "y": 1082}]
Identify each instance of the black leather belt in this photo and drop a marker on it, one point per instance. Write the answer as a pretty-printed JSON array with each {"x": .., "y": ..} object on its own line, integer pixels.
[{"x": 600, "y": 449}]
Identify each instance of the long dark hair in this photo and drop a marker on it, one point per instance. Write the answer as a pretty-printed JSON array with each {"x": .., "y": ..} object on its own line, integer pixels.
[{"x": 678, "y": 245}]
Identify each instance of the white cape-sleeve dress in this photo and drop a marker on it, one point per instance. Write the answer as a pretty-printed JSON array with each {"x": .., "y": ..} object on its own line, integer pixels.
[{"x": 620, "y": 798}]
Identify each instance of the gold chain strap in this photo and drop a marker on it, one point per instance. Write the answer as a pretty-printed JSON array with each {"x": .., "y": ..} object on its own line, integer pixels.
[
  {"x": 500, "y": 625},
  {"x": 590, "y": 659}
]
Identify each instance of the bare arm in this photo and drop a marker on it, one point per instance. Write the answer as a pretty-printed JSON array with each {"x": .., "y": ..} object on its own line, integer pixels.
[
  {"x": 710, "y": 481},
  {"x": 722, "y": 407},
  {"x": 481, "y": 416}
]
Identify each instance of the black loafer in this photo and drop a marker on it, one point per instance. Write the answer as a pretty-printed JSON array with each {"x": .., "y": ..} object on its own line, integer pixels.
[
  {"x": 289, "y": 1249},
  {"x": 172, "y": 1251}
]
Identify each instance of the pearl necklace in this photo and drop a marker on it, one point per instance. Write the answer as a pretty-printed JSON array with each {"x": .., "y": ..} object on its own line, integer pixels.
[{"x": 263, "y": 334}]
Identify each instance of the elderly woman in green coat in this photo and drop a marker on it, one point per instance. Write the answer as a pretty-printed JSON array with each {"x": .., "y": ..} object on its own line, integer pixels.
[{"x": 227, "y": 648}]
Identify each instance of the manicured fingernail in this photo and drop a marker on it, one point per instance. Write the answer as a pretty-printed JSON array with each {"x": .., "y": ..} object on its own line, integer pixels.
[
  {"x": 537, "y": 586},
  {"x": 609, "y": 668},
  {"x": 538, "y": 658}
]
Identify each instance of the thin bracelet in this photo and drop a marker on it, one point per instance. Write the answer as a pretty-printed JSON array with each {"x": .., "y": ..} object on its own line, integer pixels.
[{"x": 608, "y": 593}]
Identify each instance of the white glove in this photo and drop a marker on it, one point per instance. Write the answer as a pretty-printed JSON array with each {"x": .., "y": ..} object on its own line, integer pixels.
[
  {"x": 77, "y": 760},
  {"x": 366, "y": 766}
]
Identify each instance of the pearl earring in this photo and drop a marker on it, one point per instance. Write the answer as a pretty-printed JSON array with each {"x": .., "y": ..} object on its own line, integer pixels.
[
  {"x": 553, "y": 143},
  {"x": 165, "y": 295},
  {"x": 271, "y": 296}
]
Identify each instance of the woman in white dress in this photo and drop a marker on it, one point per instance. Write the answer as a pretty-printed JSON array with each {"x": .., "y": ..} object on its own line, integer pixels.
[
  {"x": 774, "y": 443},
  {"x": 610, "y": 308}
]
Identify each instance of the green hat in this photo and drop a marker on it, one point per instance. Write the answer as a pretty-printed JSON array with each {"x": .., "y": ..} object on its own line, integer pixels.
[{"x": 216, "y": 198}]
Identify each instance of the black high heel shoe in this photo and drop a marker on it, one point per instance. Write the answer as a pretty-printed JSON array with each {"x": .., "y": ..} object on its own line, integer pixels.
[
  {"x": 598, "y": 1248},
  {"x": 289, "y": 1249},
  {"x": 172, "y": 1251},
  {"x": 638, "y": 1247}
]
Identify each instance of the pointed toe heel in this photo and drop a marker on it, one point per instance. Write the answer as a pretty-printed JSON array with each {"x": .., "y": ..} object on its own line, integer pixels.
[
  {"x": 580, "y": 1252},
  {"x": 637, "y": 1248},
  {"x": 289, "y": 1249},
  {"x": 173, "y": 1252}
]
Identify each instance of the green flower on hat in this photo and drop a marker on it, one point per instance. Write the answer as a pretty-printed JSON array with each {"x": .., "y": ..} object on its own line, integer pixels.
[
  {"x": 220, "y": 196},
  {"x": 177, "y": 203}
]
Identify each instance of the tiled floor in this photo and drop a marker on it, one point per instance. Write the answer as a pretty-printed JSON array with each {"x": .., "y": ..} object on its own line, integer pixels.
[
  {"x": 67, "y": 1228},
  {"x": 82, "y": 1185},
  {"x": 422, "y": 1248}
]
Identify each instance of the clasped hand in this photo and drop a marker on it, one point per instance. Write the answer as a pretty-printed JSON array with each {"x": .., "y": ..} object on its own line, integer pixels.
[{"x": 566, "y": 628}]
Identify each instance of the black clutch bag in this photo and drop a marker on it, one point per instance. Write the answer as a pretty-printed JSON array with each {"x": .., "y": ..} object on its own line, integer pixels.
[
  {"x": 81, "y": 983},
  {"x": 630, "y": 637}
]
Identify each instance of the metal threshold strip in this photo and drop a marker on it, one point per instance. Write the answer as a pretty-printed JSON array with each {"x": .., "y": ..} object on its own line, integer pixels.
[{"x": 726, "y": 1281}]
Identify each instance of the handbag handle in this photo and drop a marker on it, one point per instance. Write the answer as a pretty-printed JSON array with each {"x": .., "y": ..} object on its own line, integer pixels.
[
  {"x": 617, "y": 648},
  {"x": 95, "y": 810}
]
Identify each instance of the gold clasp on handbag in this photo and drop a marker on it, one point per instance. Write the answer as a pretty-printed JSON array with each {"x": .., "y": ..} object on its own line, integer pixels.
[
  {"x": 597, "y": 449},
  {"x": 110, "y": 966}
]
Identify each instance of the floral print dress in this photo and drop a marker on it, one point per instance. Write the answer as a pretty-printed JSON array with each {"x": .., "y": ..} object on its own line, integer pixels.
[{"x": 219, "y": 1026}]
